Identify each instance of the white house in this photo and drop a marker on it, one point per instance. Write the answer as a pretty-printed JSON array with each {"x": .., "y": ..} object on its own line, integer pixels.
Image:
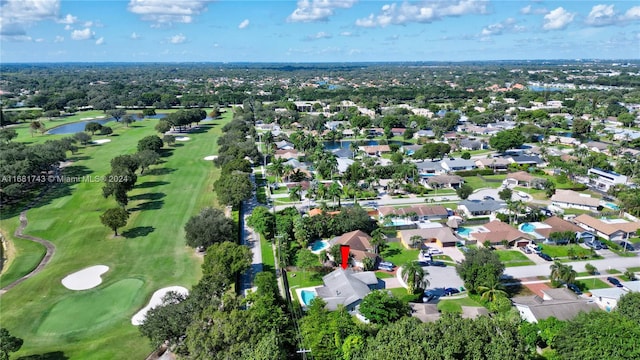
[
  {"x": 603, "y": 180},
  {"x": 607, "y": 298},
  {"x": 560, "y": 303},
  {"x": 572, "y": 199},
  {"x": 458, "y": 164}
]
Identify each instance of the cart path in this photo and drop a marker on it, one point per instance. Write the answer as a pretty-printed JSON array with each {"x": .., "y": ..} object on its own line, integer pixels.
[{"x": 51, "y": 249}]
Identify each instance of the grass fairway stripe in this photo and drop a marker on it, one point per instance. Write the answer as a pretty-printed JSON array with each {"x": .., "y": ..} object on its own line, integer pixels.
[{"x": 152, "y": 248}]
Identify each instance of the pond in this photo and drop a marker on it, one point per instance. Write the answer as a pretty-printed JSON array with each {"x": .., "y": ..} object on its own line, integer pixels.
[{"x": 76, "y": 127}]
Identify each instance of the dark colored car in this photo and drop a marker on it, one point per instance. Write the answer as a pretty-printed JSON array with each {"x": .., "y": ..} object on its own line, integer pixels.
[
  {"x": 488, "y": 198},
  {"x": 451, "y": 291},
  {"x": 436, "y": 263},
  {"x": 574, "y": 288},
  {"x": 614, "y": 281},
  {"x": 545, "y": 256},
  {"x": 625, "y": 245}
]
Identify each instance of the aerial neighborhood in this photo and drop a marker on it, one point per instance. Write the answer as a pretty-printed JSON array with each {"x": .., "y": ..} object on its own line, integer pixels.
[{"x": 323, "y": 208}]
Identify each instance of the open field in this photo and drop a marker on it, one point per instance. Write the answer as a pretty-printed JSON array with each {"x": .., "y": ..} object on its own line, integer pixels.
[{"x": 149, "y": 255}]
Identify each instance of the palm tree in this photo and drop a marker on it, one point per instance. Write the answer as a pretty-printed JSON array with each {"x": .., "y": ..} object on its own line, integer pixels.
[
  {"x": 492, "y": 291},
  {"x": 276, "y": 168},
  {"x": 287, "y": 170},
  {"x": 415, "y": 241},
  {"x": 335, "y": 191},
  {"x": 562, "y": 273},
  {"x": 415, "y": 276},
  {"x": 378, "y": 240},
  {"x": 295, "y": 193}
]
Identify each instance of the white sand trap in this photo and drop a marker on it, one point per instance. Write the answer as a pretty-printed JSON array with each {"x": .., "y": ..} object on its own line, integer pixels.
[
  {"x": 85, "y": 279},
  {"x": 211, "y": 157},
  {"x": 156, "y": 299},
  {"x": 101, "y": 141},
  {"x": 183, "y": 138}
]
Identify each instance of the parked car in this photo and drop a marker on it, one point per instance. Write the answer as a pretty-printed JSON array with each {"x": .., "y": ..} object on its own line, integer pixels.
[
  {"x": 545, "y": 256},
  {"x": 387, "y": 266},
  {"x": 614, "y": 281},
  {"x": 488, "y": 198},
  {"x": 533, "y": 248},
  {"x": 451, "y": 291},
  {"x": 525, "y": 250},
  {"x": 423, "y": 263},
  {"x": 436, "y": 263},
  {"x": 574, "y": 288},
  {"x": 625, "y": 245}
]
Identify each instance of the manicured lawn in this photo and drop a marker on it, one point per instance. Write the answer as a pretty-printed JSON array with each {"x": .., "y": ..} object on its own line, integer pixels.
[
  {"x": 595, "y": 283},
  {"x": 301, "y": 279},
  {"x": 561, "y": 250},
  {"x": 455, "y": 305},
  {"x": 513, "y": 258},
  {"x": 634, "y": 269},
  {"x": 150, "y": 254},
  {"x": 384, "y": 275},
  {"x": 613, "y": 271},
  {"x": 476, "y": 182},
  {"x": 398, "y": 255},
  {"x": 268, "y": 260}
]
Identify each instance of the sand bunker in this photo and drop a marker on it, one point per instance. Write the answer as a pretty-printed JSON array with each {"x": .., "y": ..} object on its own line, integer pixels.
[
  {"x": 101, "y": 141},
  {"x": 183, "y": 138},
  {"x": 211, "y": 157},
  {"x": 156, "y": 299},
  {"x": 85, "y": 279}
]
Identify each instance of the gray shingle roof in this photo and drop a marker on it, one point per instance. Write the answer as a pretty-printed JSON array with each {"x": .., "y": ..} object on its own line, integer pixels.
[{"x": 344, "y": 287}]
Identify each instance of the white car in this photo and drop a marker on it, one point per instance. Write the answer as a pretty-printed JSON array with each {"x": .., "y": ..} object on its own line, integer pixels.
[{"x": 435, "y": 251}]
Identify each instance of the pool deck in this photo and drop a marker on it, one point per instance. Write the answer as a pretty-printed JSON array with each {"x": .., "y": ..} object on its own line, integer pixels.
[
  {"x": 299, "y": 294},
  {"x": 326, "y": 247}
]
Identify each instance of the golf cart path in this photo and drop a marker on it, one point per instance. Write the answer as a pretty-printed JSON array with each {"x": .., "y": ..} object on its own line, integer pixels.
[{"x": 45, "y": 260}]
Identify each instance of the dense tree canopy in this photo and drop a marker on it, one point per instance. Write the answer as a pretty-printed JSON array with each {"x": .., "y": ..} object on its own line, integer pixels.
[
  {"x": 210, "y": 226},
  {"x": 507, "y": 139},
  {"x": 481, "y": 267}
]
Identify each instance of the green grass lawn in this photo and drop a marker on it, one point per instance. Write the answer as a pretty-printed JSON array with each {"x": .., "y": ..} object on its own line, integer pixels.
[
  {"x": 150, "y": 255},
  {"x": 476, "y": 182},
  {"x": 397, "y": 254},
  {"x": 591, "y": 284},
  {"x": 268, "y": 260},
  {"x": 561, "y": 251},
  {"x": 455, "y": 305},
  {"x": 513, "y": 258},
  {"x": 384, "y": 275},
  {"x": 634, "y": 269},
  {"x": 30, "y": 255}
]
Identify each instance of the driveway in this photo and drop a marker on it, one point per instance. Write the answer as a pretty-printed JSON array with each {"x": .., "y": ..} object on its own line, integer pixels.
[{"x": 438, "y": 277}]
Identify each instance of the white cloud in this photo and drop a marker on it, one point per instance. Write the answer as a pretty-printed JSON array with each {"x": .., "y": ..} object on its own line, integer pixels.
[
  {"x": 100, "y": 41},
  {"x": 16, "y": 15},
  {"x": 318, "y": 10},
  {"x": 88, "y": 24},
  {"x": 557, "y": 19},
  {"x": 632, "y": 14},
  {"x": 422, "y": 12},
  {"x": 166, "y": 12},
  {"x": 39, "y": 40},
  {"x": 84, "y": 34},
  {"x": 601, "y": 15},
  {"x": 68, "y": 27},
  {"x": 243, "y": 24},
  {"x": 510, "y": 25},
  {"x": 177, "y": 39},
  {"x": 319, "y": 35},
  {"x": 69, "y": 19},
  {"x": 346, "y": 33},
  {"x": 134, "y": 36},
  {"x": 58, "y": 39},
  {"x": 529, "y": 10}
]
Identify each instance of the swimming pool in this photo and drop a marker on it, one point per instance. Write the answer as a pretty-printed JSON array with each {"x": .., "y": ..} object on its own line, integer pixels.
[
  {"x": 400, "y": 222},
  {"x": 612, "y": 206},
  {"x": 319, "y": 245},
  {"x": 307, "y": 296},
  {"x": 464, "y": 231},
  {"x": 526, "y": 227}
]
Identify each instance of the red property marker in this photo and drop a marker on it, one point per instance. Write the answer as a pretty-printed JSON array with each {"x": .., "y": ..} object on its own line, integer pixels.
[{"x": 344, "y": 250}]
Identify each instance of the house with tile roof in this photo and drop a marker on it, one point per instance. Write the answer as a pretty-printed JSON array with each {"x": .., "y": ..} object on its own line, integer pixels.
[
  {"x": 556, "y": 224},
  {"x": 613, "y": 230},
  {"x": 497, "y": 231},
  {"x": 359, "y": 243},
  {"x": 560, "y": 303},
  {"x": 571, "y": 199},
  {"x": 442, "y": 236}
]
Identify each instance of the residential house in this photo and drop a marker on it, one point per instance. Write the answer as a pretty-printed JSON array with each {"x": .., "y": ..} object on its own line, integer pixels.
[
  {"x": 429, "y": 168},
  {"x": 410, "y": 149},
  {"x": 571, "y": 199},
  {"x": 476, "y": 208},
  {"x": 596, "y": 146},
  {"x": 555, "y": 224},
  {"x": 346, "y": 288},
  {"x": 520, "y": 178},
  {"x": 442, "y": 236},
  {"x": 360, "y": 246},
  {"x": 444, "y": 181},
  {"x": 613, "y": 230},
  {"x": 398, "y": 131},
  {"x": 287, "y": 154},
  {"x": 626, "y": 135},
  {"x": 426, "y": 312},
  {"x": 343, "y": 164},
  {"x": 560, "y": 303},
  {"x": 375, "y": 150},
  {"x": 607, "y": 298},
  {"x": 498, "y": 164},
  {"x": 416, "y": 212},
  {"x": 284, "y": 145},
  {"x": 471, "y": 144},
  {"x": 333, "y": 125},
  {"x": 343, "y": 153},
  {"x": 564, "y": 140},
  {"x": 458, "y": 164},
  {"x": 498, "y": 231},
  {"x": 604, "y": 180},
  {"x": 531, "y": 160},
  {"x": 424, "y": 134}
]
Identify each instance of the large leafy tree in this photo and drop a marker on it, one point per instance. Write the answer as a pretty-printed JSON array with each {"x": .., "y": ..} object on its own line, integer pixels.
[
  {"x": 151, "y": 142},
  {"x": 464, "y": 191},
  {"x": 262, "y": 221},
  {"x": 381, "y": 307},
  {"x": 629, "y": 307},
  {"x": 507, "y": 139},
  {"x": 233, "y": 188},
  {"x": 210, "y": 226},
  {"x": 8, "y": 344},
  {"x": 115, "y": 218},
  {"x": 481, "y": 267}
]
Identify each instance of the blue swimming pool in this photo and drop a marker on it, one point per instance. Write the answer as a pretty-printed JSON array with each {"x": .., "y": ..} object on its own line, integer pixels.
[
  {"x": 399, "y": 222},
  {"x": 464, "y": 231},
  {"x": 319, "y": 245},
  {"x": 612, "y": 206},
  {"x": 526, "y": 227},
  {"x": 307, "y": 296}
]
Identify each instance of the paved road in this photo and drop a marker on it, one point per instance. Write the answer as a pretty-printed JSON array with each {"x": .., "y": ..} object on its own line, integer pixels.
[
  {"x": 251, "y": 239},
  {"x": 618, "y": 263}
]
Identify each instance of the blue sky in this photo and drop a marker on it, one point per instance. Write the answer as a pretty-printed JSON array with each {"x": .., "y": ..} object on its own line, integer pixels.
[{"x": 316, "y": 30}]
